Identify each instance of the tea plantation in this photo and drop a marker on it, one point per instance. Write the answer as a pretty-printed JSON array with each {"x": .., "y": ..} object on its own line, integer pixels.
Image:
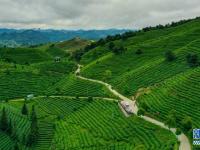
[
  {"x": 45, "y": 105},
  {"x": 70, "y": 123}
]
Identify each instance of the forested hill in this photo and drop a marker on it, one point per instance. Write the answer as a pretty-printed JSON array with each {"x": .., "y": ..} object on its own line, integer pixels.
[{"x": 13, "y": 38}]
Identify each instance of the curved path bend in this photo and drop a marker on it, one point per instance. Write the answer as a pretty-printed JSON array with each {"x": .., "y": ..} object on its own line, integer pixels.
[{"x": 184, "y": 142}]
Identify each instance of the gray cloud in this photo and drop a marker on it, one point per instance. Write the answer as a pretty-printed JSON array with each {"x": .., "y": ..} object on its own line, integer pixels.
[{"x": 87, "y": 14}]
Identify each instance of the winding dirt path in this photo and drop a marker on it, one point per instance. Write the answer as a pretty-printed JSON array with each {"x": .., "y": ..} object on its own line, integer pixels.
[
  {"x": 184, "y": 142},
  {"x": 81, "y": 97}
]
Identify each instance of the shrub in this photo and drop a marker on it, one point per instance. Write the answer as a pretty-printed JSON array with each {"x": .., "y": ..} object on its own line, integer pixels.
[
  {"x": 118, "y": 50},
  {"x": 171, "y": 119},
  {"x": 170, "y": 145},
  {"x": 7, "y": 72},
  {"x": 192, "y": 60},
  {"x": 111, "y": 45},
  {"x": 90, "y": 99},
  {"x": 170, "y": 56},
  {"x": 138, "y": 51},
  {"x": 24, "y": 109},
  {"x": 107, "y": 74},
  {"x": 187, "y": 124},
  {"x": 144, "y": 105},
  {"x": 16, "y": 146},
  {"x": 4, "y": 120},
  {"x": 178, "y": 131},
  {"x": 141, "y": 112}
]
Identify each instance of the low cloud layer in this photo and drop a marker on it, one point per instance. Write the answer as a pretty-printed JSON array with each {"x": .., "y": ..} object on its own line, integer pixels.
[{"x": 90, "y": 14}]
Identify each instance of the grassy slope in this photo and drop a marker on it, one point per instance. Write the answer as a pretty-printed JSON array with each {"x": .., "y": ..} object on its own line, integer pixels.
[{"x": 73, "y": 44}]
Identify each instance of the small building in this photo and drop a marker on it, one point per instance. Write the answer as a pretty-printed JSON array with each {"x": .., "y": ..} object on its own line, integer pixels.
[
  {"x": 29, "y": 97},
  {"x": 57, "y": 59},
  {"x": 127, "y": 106}
]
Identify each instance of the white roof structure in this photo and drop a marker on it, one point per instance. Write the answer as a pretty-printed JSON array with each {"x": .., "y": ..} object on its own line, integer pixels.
[
  {"x": 30, "y": 96},
  {"x": 127, "y": 106}
]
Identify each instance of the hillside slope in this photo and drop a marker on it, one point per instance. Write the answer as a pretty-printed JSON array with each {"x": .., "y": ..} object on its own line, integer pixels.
[
  {"x": 73, "y": 44},
  {"x": 166, "y": 85}
]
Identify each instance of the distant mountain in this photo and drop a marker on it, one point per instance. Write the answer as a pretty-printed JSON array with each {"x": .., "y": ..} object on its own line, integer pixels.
[{"x": 14, "y": 37}]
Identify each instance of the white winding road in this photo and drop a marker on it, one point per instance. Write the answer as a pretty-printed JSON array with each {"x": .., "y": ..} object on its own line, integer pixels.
[{"x": 184, "y": 142}]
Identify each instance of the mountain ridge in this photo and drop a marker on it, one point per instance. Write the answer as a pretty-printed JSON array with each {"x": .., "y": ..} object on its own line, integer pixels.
[{"x": 26, "y": 37}]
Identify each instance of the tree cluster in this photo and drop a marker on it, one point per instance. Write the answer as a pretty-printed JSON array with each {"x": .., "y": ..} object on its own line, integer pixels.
[
  {"x": 186, "y": 124},
  {"x": 9, "y": 128},
  {"x": 192, "y": 60},
  {"x": 34, "y": 131},
  {"x": 128, "y": 34},
  {"x": 6, "y": 125},
  {"x": 143, "y": 107},
  {"x": 170, "y": 56},
  {"x": 172, "y": 121},
  {"x": 78, "y": 54},
  {"x": 138, "y": 51},
  {"x": 173, "y": 24},
  {"x": 116, "y": 49}
]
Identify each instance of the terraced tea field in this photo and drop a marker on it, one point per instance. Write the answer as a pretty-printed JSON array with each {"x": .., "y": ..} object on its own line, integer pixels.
[
  {"x": 73, "y": 86},
  {"x": 78, "y": 108},
  {"x": 101, "y": 125},
  {"x": 179, "y": 93},
  {"x": 66, "y": 123}
]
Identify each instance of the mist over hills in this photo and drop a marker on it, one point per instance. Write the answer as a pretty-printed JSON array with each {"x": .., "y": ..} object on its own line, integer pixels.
[{"x": 21, "y": 37}]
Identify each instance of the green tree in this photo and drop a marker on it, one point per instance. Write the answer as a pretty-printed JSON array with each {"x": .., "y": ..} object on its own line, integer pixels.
[
  {"x": 10, "y": 128},
  {"x": 186, "y": 123},
  {"x": 34, "y": 131},
  {"x": 24, "y": 109},
  {"x": 118, "y": 50},
  {"x": 170, "y": 56},
  {"x": 178, "y": 131},
  {"x": 107, "y": 75},
  {"x": 7, "y": 72},
  {"x": 192, "y": 60},
  {"x": 4, "y": 120},
  {"x": 127, "y": 90},
  {"x": 138, "y": 51},
  {"x": 170, "y": 145},
  {"x": 58, "y": 90},
  {"x": 171, "y": 119},
  {"x": 141, "y": 112},
  {"x": 16, "y": 146},
  {"x": 144, "y": 105},
  {"x": 111, "y": 45},
  {"x": 23, "y": 140},
  {"x": 14, "y": 134},
  {"x": 90, "y": 99}
]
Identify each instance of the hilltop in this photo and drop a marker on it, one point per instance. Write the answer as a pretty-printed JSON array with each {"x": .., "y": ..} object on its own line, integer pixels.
[{"x": 73, "y": 44}]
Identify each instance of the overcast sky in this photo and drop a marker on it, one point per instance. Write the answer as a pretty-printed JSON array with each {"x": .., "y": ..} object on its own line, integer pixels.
[{"x": 94, "y": 14}]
